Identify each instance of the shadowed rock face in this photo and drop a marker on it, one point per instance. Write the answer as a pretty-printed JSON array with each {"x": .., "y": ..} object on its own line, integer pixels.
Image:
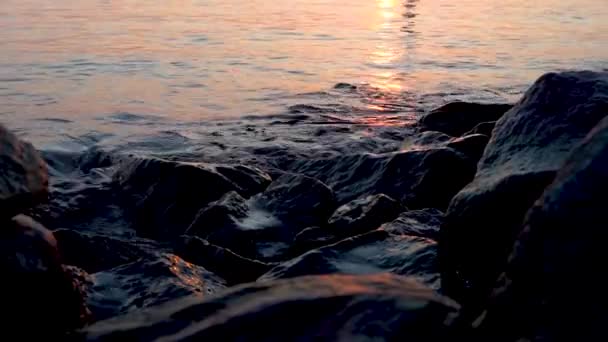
[
  {"x": 529, "y": 144},
  {"x": 24, "y": 179},
  {"x": 457, "y": 118},
  {"x": 554, "y": 286},
  {"x": 328, "y": 308},
  {"x": 38, "y": 293}
]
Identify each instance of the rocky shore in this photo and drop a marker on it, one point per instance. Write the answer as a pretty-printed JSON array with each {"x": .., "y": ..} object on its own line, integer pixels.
[{"x": 485, "y": 225}]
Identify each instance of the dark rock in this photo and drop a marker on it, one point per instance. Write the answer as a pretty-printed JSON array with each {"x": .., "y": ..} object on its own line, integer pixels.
[
  {"x": 373, "y": 252},
  {"x": 311, "y": 238},
  {"x": 220, "y": 216},
  {"x": 554, "y": 287},
  {"x": 363, "y": 215},
  {"x": 484, "y": 128},
  {"x": 419, "y": 179},
  {"x": 529, "y": 144},
  {"x": 94, "y": 252},
  {"x": 298, "y": 201},
  {"x": 23, "y": 176},
  {"x": 471, "y": 145},
  {"x": 425, "y": 140},
  {"x": 457, "y": 118},
  {"x": 326, "y": 308},
  {"x": 39, "y": 294},
  {"x": 148, "y": 282},
  {"x": 232, "y": 267},
  {"x": 250, "y": 180},
  {"x": 168, "y": 195},
  {"x": 424, "y": 223}
]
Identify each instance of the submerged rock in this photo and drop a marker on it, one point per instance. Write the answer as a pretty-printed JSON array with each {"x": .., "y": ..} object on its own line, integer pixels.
[
  {"x": 530, "y": 143},
  {"x": 232, "y": 267},
  {"x": 554, "y": 287},
  {"x": 148, "y": 282},
  {"x": 374, "y": 252},
  {"x": 39, "y": 296},
  {"x": 329, "y": 308},
  {"x": 23, "y": 175},
  {"x": 419, "y": 179},
  {"x": 457, "y": 118}
]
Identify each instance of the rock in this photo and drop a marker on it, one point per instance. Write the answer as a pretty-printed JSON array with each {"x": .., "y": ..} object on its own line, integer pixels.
[
  {"x": 457, "y": 118},
  {"x": 40, "y": 295},
  {"x": 419, "y": 179},
  {"x": 298, "y": 201},
  {"x": 95, "y": 252},
  {"x": 23, "y": 176},
  {"x": 250, "y": 180},
  {"x": 425, "y": 223},
  {"x": 363, "y": 215},
  {"x": 425, "y": 140},
  {"x": 529, "y": 144},
  {"x": 230, "y": 266},
  {"x": 168, "y": 195},
  {"x": 484, "y": 128},
  {"x": 220, "y": 216},
  {"x": 471, "y": 145},
  {"x": 373, "y": 252},
  {"x": 554, "y": 286},
  {"x": 311, "y": 238},
  {"x": 148, "y": 282},
  {"x": 338, "y": 307}
]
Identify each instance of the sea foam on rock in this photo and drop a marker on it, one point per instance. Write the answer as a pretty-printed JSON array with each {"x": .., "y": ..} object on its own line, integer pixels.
[
  {"x": 331, "y": 308},
  {"x": 529, "y": 144},
  {"x": 553, "y": 288}
]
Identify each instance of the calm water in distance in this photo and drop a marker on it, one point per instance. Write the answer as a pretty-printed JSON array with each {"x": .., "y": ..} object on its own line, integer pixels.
[{"x": 69, "y": 65}]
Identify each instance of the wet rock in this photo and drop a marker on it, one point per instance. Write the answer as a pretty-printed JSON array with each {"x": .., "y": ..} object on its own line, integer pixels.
[
  {"x": 424, "y": 223},
  {"x": 39, "y": 294},
  {"x": 471, "y": 145},
  {"x": 373, "y": 252},
  {"x": 484, "y": 128},
  {"x": 311, "y": 238},
  {"x": 419, "y": 179},
  {"x": 230, "y": 266},
  {"x": 168, "y": 195},
  {"x": 529, "y": 144},
  {"x": 425, "y": 140},
  {"x": 148, "y": 282},
  {"x": 250, "y": 180},
  {"x": 23, "y": 175},
  {"x": 95, "y": 252},
  {"x": 363, "y": 215},
  {"x": 298, "y": 201},
  {"x": 220, "y": 216},
  {"x": 457, "y": 118},
  {"x": 554, "y": 287},
  {"x": 340, "y": 307}
]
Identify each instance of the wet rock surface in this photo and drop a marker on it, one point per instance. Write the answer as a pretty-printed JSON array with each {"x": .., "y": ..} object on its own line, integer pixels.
[
  {"x": 457, "y": 118},
  {"x": 529, "y": 144},
  {"x": 339, "y": 307}
]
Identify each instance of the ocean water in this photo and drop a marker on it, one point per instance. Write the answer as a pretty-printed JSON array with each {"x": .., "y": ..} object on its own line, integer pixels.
[{"x": 169, "y": 77}]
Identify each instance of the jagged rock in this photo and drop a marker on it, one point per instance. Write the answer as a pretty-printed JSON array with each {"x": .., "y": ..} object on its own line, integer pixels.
[
  {"x": 148, "y": 282},
  {"x": 373, "y": 252},
  {"x": 23, "y": 175},
  {"x": 331, "y": 308},
  {"x": 424, "y": 223},
  {"x": 529, "y": 144},
  {"x": 39, "y": 294},
  {"x": 484, "y": 128},
  {"x": 553, "y": 289},
  {"x": 363, "y": 215},
  {"x": 230, "y": 266},
  {"x": 312, "y": 237},
  {"x": 457, "y": 118},
  {"x": 168, "y": 195},
  {"x": 471, "y": 145},
  {"x": 419, "y": 179},
  {"x": 94, "y": 252}
]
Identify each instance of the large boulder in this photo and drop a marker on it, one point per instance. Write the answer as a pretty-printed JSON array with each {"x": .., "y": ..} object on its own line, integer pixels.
[
  {"x": 147, "y": 282},
  {"x": 374, "y": 252},
  {"x": 529, "y": 144},
  {"x": 457, "y": 118},
  {"x": 554, "y": 287},
  {"x": 424, "y": 178},
  {"x": 39, "y": 296},
  {"x": 325, "y": 308},
  {"x": 23, "y": 175},
  {"x": 232, "y": 267}
]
